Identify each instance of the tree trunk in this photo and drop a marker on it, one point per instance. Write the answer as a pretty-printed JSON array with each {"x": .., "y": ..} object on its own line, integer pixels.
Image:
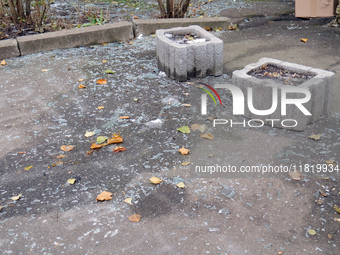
[
  {"x": 13, "y": 11},
  {"x": 171, "y": 9},
  {"x": 20, "y": 9},
  {"x": 28, "y": 8},
  {"x": 161, "y": 8}
]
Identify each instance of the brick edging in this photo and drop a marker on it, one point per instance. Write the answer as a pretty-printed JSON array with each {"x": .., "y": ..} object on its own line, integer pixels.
[{"x": 112, "y": 32}]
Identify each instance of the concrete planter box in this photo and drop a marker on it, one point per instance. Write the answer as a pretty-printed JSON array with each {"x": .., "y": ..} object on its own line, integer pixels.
[
  {"x": 320, "y": 87},
  {"x": 180, "y": 61}
]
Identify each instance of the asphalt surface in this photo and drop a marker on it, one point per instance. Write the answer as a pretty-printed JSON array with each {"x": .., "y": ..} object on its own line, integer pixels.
[{"x": 42, "y": 108}]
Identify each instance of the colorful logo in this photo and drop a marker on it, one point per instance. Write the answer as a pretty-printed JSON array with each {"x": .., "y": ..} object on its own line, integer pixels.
[{"x": 209, "y": 93}]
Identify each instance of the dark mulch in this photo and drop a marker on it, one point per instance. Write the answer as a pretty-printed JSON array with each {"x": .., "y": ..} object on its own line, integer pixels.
[{"x": 284, "y": 76}]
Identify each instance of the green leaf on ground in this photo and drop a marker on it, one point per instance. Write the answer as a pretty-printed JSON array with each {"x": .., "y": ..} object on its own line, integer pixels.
[
  {"x": 109, "y": 71},
  {"x": 184, "y": 129}
]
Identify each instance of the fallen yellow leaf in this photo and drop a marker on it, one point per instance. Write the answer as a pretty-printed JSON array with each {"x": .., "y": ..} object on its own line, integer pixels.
[
  {"x": 181, "y": 185},
  {"x": 28, "y": 167},
  {"x": 80, "y": 80},
  {"x": 3, "y": 62},
  {"x": 330, "y": 236},
  {"x": 336, "y": 208},
  {"x": 100, "y": 107},
  {"x": 295, "y": 175},
  {"x": 184, "y": 151},
  {"x": 304, "y": 40},
  {"x": 104, "y": 196},
  {"x": 61, "y": 156},
  {"x": 67, "y": 147},
  {"x": 101, "y": 81},
  {"x": 185, "y": 163},
  {"x": 104, "y": 61},
  {"x": 315, "y": 137},
  {"x": 128, "y": 200},
  {"x": 44, "y": 70},
  {"x": 71, "y": 181},
  {"x": 187, "y": 105},
  {"x": 0, "y": 208},
  {"x": 81, "y": 86},
  {"x": 312, "y": 232},
  {"x": 155, "y": 180},
  {"x": 15, "y": 198},
  {"x": 135, "y": 218},
  {"x": 89, "y": 133},
  {"x": 124, "y": 117}
]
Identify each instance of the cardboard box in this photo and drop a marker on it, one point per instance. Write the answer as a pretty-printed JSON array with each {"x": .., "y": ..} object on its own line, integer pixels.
[{"x": 314, "y": 8}]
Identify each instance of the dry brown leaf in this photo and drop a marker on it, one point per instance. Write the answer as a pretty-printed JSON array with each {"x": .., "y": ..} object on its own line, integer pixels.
[
  {"x": 194, "y": 127},
  {"x": 323, "y": 193},
  {"x": 279, "y": 252},
  {"x": 81, "y": 86},
  {"x": 304, "y": 40},
  {"x": 207, "y": 136},
  {"x": 3, "y": 62},
  {"x": 44, "y": 70},
  {"x": 104, "y": 196},
  {"x": 328, "y": 162},
  {"x": 115, "y": 139},
  {"x": 330, "y": 236},
  {"x": 119, "y": 149},
  {"x": 100, "y": 107},
  {"x": 135, "y": 17},
  {"x": 89, "y": 152},
  {"x": 315, "y": 137},
  {"x": 104, "y": 61},
  {"x": 124, "y": 117},
  {"x": 102, "y": 81},
  {"x": 80, "y": 80},
  {"x": 61, "y": 156},
  {"x": 67, "y": 147},
  {"x": 135, "y": 217},
  {"x": 295, "y": 175},
  {"x": 184, "y": 151},
  {"x": 96, "y": 146},
  {"x": 155, "y": 180}
]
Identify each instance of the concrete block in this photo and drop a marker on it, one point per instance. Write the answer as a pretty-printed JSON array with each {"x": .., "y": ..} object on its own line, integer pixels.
[
  {"x": 320, "y": 87},
  {"x": 149, "y": 26},
  {"x": 180, "y": 61},
  {"x": 120, "y": 31},
  {"x": 9, "y": 48}
]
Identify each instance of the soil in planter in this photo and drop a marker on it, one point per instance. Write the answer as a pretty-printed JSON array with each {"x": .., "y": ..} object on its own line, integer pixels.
[
  {"x": 281, "y": 75},
  {"x": 185, "y": 38}
]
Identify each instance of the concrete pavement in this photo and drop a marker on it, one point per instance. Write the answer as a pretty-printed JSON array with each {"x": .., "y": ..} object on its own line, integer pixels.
[{"x": 42, "y": 108}]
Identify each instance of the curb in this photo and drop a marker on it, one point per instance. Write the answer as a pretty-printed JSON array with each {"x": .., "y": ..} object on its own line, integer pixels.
[{"x": 113, "y": 32}]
